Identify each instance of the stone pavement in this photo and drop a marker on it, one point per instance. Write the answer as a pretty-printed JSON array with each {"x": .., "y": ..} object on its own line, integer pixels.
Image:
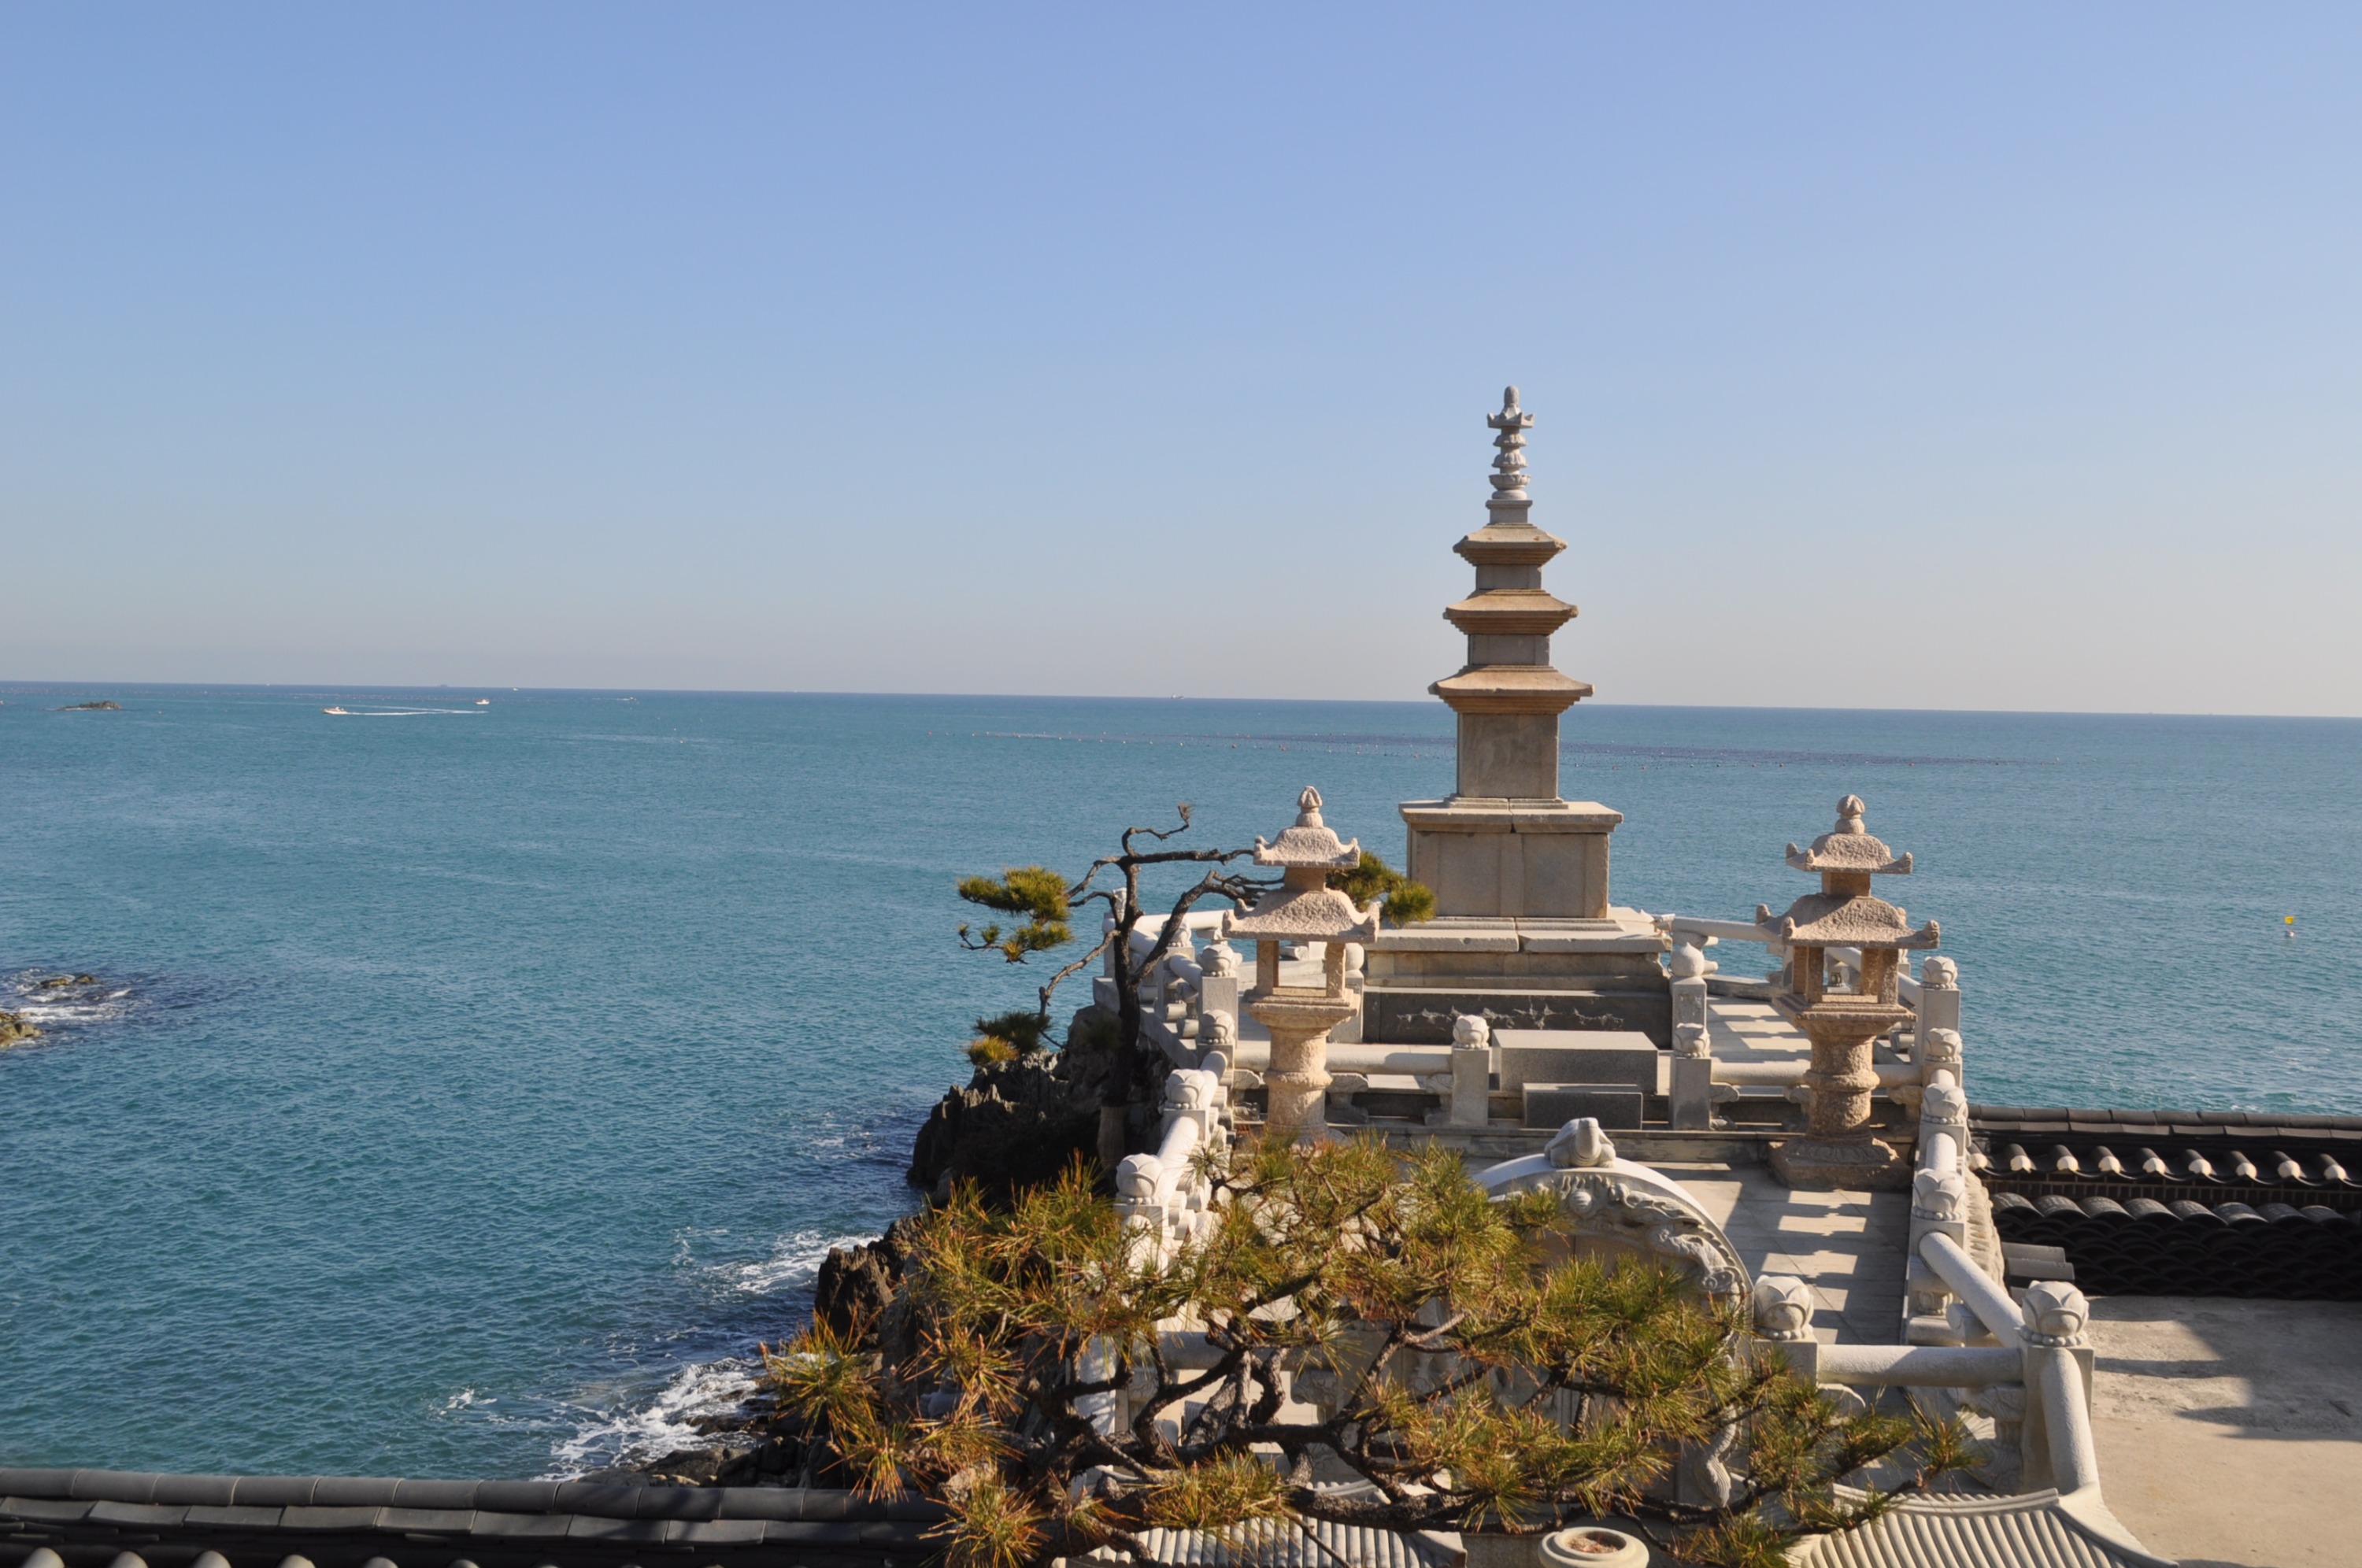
[
  {"x": 1753, "y": 1032},
  {"x": 2230, "y": 1432},
  {"x": 1848, "y": 1246}
]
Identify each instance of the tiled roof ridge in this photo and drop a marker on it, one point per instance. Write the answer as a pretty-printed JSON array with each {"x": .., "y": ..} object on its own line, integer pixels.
[
  {"x": 587, "y": 1499},
  {"x": 2248, "y": 1121}
]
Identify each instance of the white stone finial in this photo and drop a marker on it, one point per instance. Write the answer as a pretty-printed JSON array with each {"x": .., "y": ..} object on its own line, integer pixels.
[
  {"x": 1782, "y": 1306},
  {"x": 2056, "y": 1313},
  {"x": 1690, "y": 1041},
  {"x": 1940, "y": 1195},
  {"x": 1137, "y": 1177},
  {"x": 1307, "y": 809},
  {"x": 1470, "y": 1029},
  {"x": 1217, "y": 1030},
  {"x": 1510, "y": 464},
  {"x": 1944, "y": 1105},
  {"x": 1220, "y": 960},
  {"x": 1941, "y": 1048},
  {"x": 1941, "y": 972},
  {"x": 1849, "y": 810},
  {"x": 1189, "y": 1088}
]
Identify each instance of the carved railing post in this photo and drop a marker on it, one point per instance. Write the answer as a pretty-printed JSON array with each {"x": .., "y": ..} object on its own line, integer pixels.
[
  {"x": 1939, "y": 1204},
  {"x": 1782, "y": 1307},
  {"x": 1939, "y": 1009},
  {"x": 2056, "y": 1440},
  {"x": 1471, "y": 1071},
  {"x": 1691, "y": 1104}
]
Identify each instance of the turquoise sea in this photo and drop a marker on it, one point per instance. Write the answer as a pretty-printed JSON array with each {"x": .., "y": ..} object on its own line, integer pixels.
[{"x": 467, "y": 1088}]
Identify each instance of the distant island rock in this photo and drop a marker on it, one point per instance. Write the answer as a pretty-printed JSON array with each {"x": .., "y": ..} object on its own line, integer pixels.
[
  {"x": 103, "y": 707},
  {"x": 14, "y": 1030}
]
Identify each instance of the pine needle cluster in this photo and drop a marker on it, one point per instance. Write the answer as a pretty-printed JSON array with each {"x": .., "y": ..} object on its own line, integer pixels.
[
  {"x": 1407, "y": 902},
  {"x": 1359, "y": 1335},
  {"x": 1036, "y": 892}
]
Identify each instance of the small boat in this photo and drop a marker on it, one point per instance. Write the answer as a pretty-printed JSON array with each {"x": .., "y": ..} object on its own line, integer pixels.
[
  {"x": 483, "y": 701},
  {"x": 345, "y": 711}
]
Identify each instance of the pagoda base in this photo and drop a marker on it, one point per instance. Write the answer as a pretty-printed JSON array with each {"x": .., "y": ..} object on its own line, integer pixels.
[
  {"x": 1496, "y": 858},
  {"x": 1851, "y": 1163},
  {"x": 1516, "y": 974}
]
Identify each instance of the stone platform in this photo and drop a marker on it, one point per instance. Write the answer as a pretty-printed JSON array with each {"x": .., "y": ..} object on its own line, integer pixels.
[{"x": 2230, "y": 1432}]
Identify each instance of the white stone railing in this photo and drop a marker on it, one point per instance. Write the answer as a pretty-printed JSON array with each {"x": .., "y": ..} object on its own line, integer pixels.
[
  {"x": 1700, "y": 1082},
  {"x": 1164, "y": 1197},
  {"x": 2035, "y": 1382},
  {"x": 1191, "y": 1000}
]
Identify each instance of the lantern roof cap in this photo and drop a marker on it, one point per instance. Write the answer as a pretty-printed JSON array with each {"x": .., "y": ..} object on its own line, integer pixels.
[
  {"x": 1303, "y": 914},
  {"x": 1850, "y": 846},
  {"x": 1844, "y": 920},
  {"x": 1311, "y": 844}
]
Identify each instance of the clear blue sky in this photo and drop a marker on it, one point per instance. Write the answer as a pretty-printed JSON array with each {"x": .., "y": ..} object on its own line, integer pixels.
[{"x": 1974, "y": 357}]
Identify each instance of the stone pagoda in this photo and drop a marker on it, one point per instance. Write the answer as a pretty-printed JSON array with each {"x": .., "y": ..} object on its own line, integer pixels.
[
  {"x": 1843, "y": 1004},
  {"x": 1301, "y": 910},
  {"x": 1524, "y": 935}
]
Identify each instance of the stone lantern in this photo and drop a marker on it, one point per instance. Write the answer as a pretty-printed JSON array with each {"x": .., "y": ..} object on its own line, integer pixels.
[
  {"x": 1302, "y": 909},
  {"x": 1842, "y": 1019}
]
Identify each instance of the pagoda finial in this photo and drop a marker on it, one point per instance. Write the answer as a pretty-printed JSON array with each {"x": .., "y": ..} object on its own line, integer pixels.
[
  {"x": 1509, "y": 467},
  {"x": 1849, "y": 811},
  {"x": 1307, "y": 809}
]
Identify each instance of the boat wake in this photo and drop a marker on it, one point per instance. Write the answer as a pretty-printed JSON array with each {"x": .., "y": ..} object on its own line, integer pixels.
[{"x": 401, "y": 712}]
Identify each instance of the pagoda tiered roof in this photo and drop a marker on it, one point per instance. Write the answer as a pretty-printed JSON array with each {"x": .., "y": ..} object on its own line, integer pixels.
[
  {"x": 1508, "y": 553},
  {"x": 1510, "y": 688},
  {"x": 1510, "y": 612}
]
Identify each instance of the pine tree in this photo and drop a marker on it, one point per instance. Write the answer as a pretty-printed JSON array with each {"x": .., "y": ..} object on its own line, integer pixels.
[
  {"x": 1460, "y": 1362},
  {"x": 1045, "y": 903}
]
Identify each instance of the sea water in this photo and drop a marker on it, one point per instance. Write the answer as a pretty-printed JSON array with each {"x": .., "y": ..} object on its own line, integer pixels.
[{"x": 466, "y": 1087}]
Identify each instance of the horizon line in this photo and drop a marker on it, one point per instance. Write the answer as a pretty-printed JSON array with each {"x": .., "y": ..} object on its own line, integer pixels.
[{"x": 331, "y": 688}]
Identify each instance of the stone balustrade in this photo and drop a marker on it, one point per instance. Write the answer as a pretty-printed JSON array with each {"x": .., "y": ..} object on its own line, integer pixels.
[
  {"x": 1164, "y": 1197},
  {"x": 1700, "y": 1081},
  {"x": 2035, "y": 1380},
  {"x": 1187, "y": 986}
]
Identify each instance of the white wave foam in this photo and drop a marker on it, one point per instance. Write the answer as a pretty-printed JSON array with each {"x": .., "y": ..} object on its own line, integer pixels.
[
  {"x": 47, "y": 1006},
  {"x": 794, "y": 1260},
  {"x": 634, "y": 1435}
]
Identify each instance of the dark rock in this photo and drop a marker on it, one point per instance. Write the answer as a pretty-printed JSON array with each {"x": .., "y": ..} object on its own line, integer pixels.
[
  {"x": 58, "y": 982},
  {"x": 857, "y": 1283},
  {"x": 13, "y": 1028},
  {"x": 724, "y": 1465},
  {"x": 1020, "y": 1123},
  {"x": 89, "y": 708}
]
